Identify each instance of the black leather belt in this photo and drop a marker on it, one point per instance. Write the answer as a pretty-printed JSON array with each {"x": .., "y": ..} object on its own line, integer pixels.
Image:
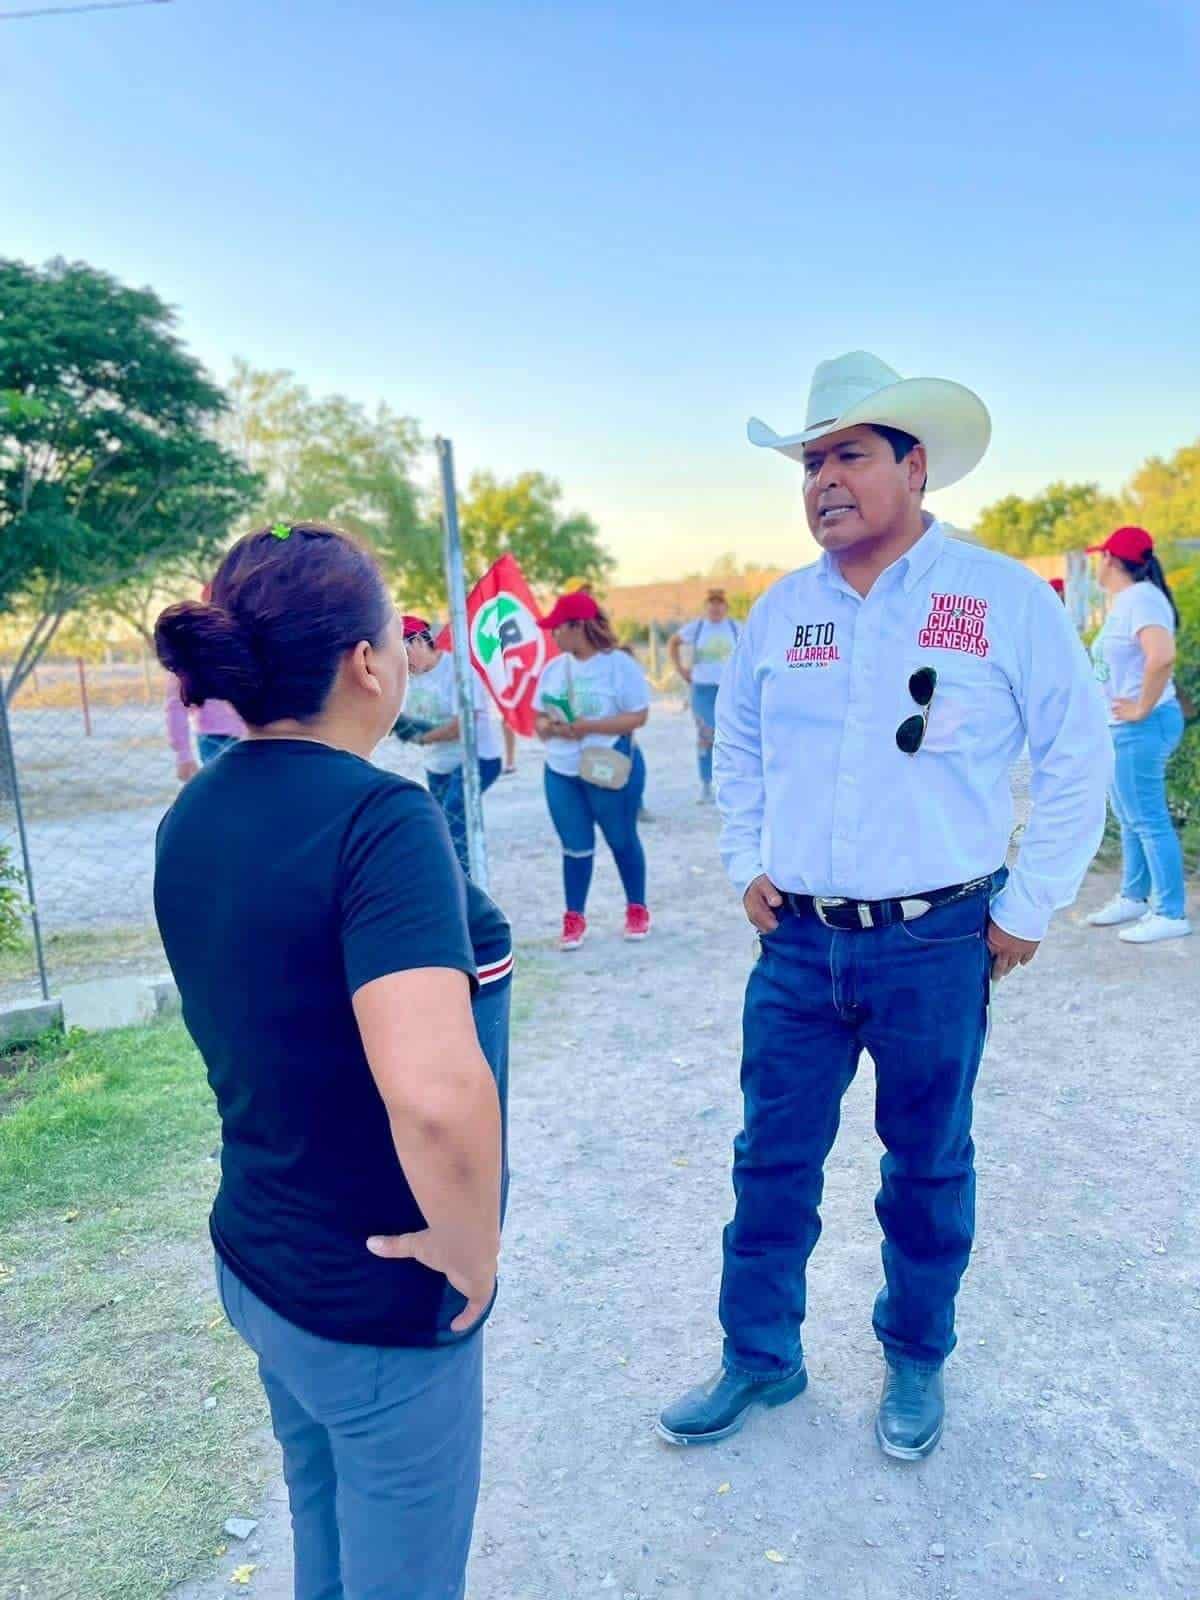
[{"x": 857, "y": 916}]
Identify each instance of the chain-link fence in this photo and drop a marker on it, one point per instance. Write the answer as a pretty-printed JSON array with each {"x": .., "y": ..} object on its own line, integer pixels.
[{"x": 91, "y": 773}]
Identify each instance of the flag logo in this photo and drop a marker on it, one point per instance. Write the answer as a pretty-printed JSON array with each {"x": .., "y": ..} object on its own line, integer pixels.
[{"x": 510, "y": 647}]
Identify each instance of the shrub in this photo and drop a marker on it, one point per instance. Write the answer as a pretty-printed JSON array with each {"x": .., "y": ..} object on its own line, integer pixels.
[{"x": 12, "y": 903}]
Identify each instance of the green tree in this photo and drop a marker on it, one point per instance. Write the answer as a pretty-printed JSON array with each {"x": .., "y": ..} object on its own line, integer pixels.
[
  {"x": 1065, "y": 516},
  {"x": 108, "y": 465},
  {"x": 1164, "y": 496},
  {"x": 332, "y": 460},
  {"x": 523, "y": 515}
]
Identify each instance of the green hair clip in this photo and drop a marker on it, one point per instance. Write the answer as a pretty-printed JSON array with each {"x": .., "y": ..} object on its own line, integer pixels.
[{"x": 281, "y": 530}]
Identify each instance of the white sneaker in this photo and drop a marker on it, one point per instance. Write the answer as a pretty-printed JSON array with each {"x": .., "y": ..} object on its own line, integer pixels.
[
  {"x": 1153, "y": 928},
  {"x": 1117, "y": 911}
]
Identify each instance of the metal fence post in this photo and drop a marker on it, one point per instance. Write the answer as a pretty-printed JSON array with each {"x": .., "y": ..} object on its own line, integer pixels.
[
  {"x": 456, "y": 590},
  {"x": 83, "y": 696},
  {"x": 9, "y": 757}
]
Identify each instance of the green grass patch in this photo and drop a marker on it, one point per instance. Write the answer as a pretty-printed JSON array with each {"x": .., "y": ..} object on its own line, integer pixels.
[{"x": 114, "y": 1477}]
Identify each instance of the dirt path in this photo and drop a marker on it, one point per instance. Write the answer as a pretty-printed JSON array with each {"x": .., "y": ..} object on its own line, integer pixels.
[{"x": 1069, "y": 1465}]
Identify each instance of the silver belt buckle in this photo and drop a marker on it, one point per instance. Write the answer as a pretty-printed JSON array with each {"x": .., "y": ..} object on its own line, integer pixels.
[{"x": 820, "y": 902}]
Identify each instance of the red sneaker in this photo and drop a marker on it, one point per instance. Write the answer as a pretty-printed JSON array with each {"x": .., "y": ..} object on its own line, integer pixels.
[
  {"x": 574, "y": 931},
  {"x": 637, "y": 922}
]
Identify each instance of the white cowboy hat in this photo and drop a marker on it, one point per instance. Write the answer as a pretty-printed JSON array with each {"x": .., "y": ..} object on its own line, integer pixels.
[{"x": 950, "y": 421}]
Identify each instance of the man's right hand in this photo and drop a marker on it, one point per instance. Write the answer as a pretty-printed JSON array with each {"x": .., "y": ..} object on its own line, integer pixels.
[
  {"x": 185, "y": 770},
  {"x": 476, "y": 1279},
  {"x": 761, "y": 900}
]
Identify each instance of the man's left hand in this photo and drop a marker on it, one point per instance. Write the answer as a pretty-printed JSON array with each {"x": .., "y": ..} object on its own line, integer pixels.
[
  {"x": 1128, "y": 711},
  {"x": 1008, "y": 952}
]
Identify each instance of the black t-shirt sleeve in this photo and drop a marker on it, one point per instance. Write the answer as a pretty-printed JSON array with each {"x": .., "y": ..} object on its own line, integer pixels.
[{"x": 403, "y": 894}]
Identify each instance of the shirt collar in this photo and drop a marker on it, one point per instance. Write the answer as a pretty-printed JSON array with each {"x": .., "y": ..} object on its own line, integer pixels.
[{"x": 912, "y": 566}]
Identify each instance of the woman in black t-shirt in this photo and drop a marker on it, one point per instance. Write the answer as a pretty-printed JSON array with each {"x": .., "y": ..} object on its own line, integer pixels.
[{"x": 348, "y": 990}]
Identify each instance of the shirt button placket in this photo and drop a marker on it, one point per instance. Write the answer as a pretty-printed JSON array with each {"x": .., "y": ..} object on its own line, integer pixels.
[{"x": 848, "y": 794}]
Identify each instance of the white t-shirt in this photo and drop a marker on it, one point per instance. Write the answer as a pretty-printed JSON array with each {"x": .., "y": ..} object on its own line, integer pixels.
[
  {"x": 1117, "y": 656},
  {"x": 605, "y": 685},
  {"x": 433, "y": 697},
  {"x": 712, "y": 644}
]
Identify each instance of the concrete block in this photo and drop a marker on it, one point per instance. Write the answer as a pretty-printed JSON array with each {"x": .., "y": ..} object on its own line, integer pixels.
[
  {"x": 117, "y": 1002},
  {"x": 166, "y": 997},
  {"x": 24, "y": 1023}
]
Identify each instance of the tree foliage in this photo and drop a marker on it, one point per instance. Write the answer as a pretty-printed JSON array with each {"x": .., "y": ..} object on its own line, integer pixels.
[
  {"x": 1162, "y": 495},
  {"x": 523, "y": 515},
  {"x": 329, "y": 459},
  {"x": 109, "y": 469}
]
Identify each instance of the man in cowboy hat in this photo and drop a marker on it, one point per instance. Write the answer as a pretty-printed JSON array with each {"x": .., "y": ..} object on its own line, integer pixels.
[{"x": 866, "y": 731}]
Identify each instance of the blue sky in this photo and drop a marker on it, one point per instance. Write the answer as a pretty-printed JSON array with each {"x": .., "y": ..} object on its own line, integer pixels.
[{"x": 593, "y": 239}]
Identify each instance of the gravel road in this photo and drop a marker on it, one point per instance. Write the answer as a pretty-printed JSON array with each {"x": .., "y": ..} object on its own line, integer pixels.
[{"x": 1069, "y": 1465}]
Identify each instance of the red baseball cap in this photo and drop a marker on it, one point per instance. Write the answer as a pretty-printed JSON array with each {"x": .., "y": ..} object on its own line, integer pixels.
[
  {"x": 576, "y": 607},
  {"x": 1127, "y": 544},
  {"x": 415, "y": 625}
]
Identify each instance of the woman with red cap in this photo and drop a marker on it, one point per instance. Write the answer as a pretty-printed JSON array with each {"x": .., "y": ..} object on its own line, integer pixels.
[
  {"x": 591, "y": 700},
  {"x": 1134, "y": 654}
]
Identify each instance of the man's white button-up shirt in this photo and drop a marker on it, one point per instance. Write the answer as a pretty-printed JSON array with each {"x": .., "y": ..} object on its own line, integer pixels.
[{"x": 812, "y": 787}]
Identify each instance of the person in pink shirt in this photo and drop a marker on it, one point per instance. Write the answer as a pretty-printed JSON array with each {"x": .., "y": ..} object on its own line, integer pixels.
[{"x": 216, "y": 723}]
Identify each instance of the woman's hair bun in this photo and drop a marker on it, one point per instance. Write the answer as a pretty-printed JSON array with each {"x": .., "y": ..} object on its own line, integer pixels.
[{"x": 209, "y": 654}]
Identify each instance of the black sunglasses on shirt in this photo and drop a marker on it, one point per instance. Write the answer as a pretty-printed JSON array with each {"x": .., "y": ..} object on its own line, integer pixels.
[{"x": 910, "y": 735}]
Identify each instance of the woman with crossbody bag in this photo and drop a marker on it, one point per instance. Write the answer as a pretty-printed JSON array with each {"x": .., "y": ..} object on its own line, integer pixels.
[{"x": 590, "y": 702}]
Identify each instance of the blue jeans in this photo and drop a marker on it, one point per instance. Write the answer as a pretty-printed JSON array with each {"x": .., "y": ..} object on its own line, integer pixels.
[
  {"x": 447, "y": 789},
  {"x": 704, "y": 709},
  {"x": 916, "y": 996},
  {"x": 577, "y": 808},
  {"x": 210, "y": 745},
  {"x": 381, "y": 1452},
  {"x": 1152, "y": 859}
]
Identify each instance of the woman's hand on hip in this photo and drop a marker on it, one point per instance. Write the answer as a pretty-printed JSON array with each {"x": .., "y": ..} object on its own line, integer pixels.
[
  {"x": 465, "y": 1265},
  {"x": 1128, "y": 711}
]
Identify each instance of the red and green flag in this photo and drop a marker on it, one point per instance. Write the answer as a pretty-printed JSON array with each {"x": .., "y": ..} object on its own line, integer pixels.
[{"x": 508, "y": 649}]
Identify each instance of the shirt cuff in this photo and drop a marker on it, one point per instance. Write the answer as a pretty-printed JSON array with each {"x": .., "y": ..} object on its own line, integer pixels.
[
  {"x": 743, "y": 870},
  {"x": 1016, "y": 913}
]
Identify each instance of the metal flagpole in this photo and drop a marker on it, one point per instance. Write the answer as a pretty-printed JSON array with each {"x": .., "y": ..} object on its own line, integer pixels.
[{"x": 456, "y": 589}]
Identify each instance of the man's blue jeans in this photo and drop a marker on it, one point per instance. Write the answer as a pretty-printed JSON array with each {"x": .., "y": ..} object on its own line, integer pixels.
[
  {"x": 916, "y": 996},
  {"x": 1151, "y": 856}
]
